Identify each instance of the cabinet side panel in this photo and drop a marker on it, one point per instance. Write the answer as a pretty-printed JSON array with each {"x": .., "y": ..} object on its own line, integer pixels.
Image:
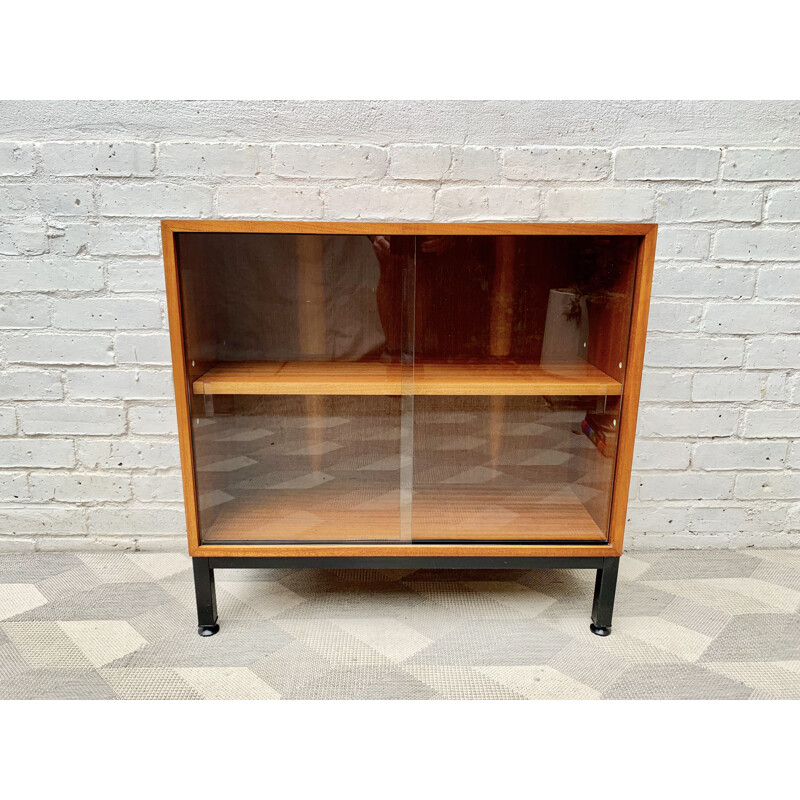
[
  {"x": 181, "y": 384},
  {"x": 632, "y": 386}
]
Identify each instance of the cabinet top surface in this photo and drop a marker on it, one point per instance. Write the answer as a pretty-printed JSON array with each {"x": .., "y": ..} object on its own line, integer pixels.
[{"x": 411, "y": 228}]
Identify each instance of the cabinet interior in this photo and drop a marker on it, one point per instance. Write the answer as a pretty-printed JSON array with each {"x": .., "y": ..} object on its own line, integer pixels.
[{"x": 404, "y": 388}]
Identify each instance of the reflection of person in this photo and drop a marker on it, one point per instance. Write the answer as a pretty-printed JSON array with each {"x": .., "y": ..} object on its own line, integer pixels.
[
  {"x": 450, "y": 297},
  {"x": 390, "y": 291}
]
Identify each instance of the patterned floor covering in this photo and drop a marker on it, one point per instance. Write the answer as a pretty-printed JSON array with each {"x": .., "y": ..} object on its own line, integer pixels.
[{"x": 688, "y": 624}]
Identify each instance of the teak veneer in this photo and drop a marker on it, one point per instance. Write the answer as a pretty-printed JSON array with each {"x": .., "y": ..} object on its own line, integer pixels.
[
  {"x": 375, "y": 378},
  {"x": 406, "y": 394}
]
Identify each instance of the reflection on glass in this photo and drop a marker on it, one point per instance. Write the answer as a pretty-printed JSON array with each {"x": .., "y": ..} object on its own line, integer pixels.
[
  {"x": 294, "y": 346},
  {"x": 536, "y": 330},
  {"x": 399, "y": 388}
]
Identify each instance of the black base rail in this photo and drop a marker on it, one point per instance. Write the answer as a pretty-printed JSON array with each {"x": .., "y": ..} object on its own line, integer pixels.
[{"x": 605, "y": 586}]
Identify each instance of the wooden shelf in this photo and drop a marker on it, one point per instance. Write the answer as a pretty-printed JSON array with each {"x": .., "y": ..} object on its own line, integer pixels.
[
  {"x": 337, "y": 513},
  {"x": 375, "y": 378}
]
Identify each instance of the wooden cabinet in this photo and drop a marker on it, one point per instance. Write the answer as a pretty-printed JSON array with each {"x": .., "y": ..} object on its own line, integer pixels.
[{"x": 446, "y": 395}]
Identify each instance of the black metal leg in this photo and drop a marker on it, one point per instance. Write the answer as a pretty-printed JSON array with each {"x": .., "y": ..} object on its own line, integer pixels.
[
  {"x": 206, "y": 594},
  {"x": 605, "y": 588}
]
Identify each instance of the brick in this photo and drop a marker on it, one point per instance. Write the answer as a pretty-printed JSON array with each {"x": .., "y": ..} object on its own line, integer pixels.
[
  {"x": 784, "y": 206},
  {"x": 685, "y": 486},
  {"x": 675, "y": 317},
  {"x": 13, "y": 487},
  {"x": 772, "y": 423},
  {"x": 329, "y": 161},
  {"x": 682, "y": 540},
  {"x": 601, "y": 205},
  {"x": 154, "y": 200},
  {"x": 87, "y": 420},
  {"x": 709, "y": 205},
  {"x": 120, "y": 159},
  {"x": 8, "y": 421},
  {"x": 271, "y": 202},
  {"x": 158, "y": 488},
  {"x": 18, "y": 200},
  {"x": 64, "y": 199},
  {"x": 136, "y": 276},
  {"x": 134, "y": 521},
  {"x": 682, "y": 422},
  {"x": 152, "y": 421},
  {"x": 36, "y": 453},
  {"x": 70, "y": 239},
  {"x": 79, "y": 488},
  {"x": 730, "y": 455},
  {"x": 119, "y": 384},
  {"x": 556, "y": 163},
  {"x": 426, "y": 162},
  {"x": 475, "y": 164},
  {"x": 780, "y": 352},
  {"x": 27, "y": 237},
  {"x": 16, "y": 158},
  {"x": 793, "y": 388},
  {"x": 214, "y": 159},
  {"x": 682, "y": 243},
  {"x": 695, "y": 280},
  {"x": 17, "y": 313},
  {"x": 51, "y": 276},
  {"x": 111, "y": 239},
  {"x": 779, "y": 486},
  {"x": 660, "y": 454},
  {"x": 134, "y": 348},
  {"x": 43, "y": 521},
  {"x": 666, "y": 164},
  {"x": 757, "y": 244},
  {"x": 17, "y": 544},
  {"x": 59, "y": 348},
  {"x": 106, "y": 313},
  {"x": 752, "y": 318},
  {"x": 665, "y": 386},
  {"x": 487, "y": 203},
  {"x": 81, "y": 543},
  {"x": 31, "y": 385},
  {"x": 128, "y": 454},
  {"x": 379, "y": 202},
  {"x": 779, "y": 283},
  {"x": 695, "y": 352},
  {"x": 657, "y": 518},
  {"x": 736, "y": 387},
  {"x": 755, "y": 164},
  {"x": 735, "y": 518}
]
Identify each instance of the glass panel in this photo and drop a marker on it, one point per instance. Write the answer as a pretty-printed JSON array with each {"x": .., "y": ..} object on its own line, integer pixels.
[
  {"x": 511, "y": 469},
  {"x": 520, "y": 349},
  {"x": 294, "y": 346}
]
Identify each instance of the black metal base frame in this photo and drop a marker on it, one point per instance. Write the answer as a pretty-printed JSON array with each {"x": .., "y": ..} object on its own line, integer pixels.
[{"x": 605, "y": 585}]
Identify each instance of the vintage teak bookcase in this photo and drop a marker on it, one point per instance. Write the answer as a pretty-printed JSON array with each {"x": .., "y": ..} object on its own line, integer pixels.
[{"x": 406, "y": 395}]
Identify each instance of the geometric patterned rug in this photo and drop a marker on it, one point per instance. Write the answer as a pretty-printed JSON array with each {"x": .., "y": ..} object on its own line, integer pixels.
[{"x": 687, "y": 625}]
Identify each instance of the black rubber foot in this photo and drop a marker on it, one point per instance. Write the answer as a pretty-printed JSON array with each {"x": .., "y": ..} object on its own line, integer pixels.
[
  {"x": 208, "y": 630},
  {"x": 598, "y": 631}
]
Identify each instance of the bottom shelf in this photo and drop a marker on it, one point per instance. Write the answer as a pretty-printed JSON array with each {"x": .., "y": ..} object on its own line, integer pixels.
[{"x": 541, "y": 512}]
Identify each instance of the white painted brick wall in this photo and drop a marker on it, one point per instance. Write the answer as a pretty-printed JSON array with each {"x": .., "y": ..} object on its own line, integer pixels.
[
  {"x": 122, "y": 159},
  {"x": 420, "y": 161},
  {"x": 556, "y": 164},
  {"x": 214, "y": 159},
  {"x": 330, "y": 161},
  {"x": 16, "y": 158},
  {"x": 88, "y": 446},
  {"x": 470, "y": 203},
  {"x": 666, "y": 164}
]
